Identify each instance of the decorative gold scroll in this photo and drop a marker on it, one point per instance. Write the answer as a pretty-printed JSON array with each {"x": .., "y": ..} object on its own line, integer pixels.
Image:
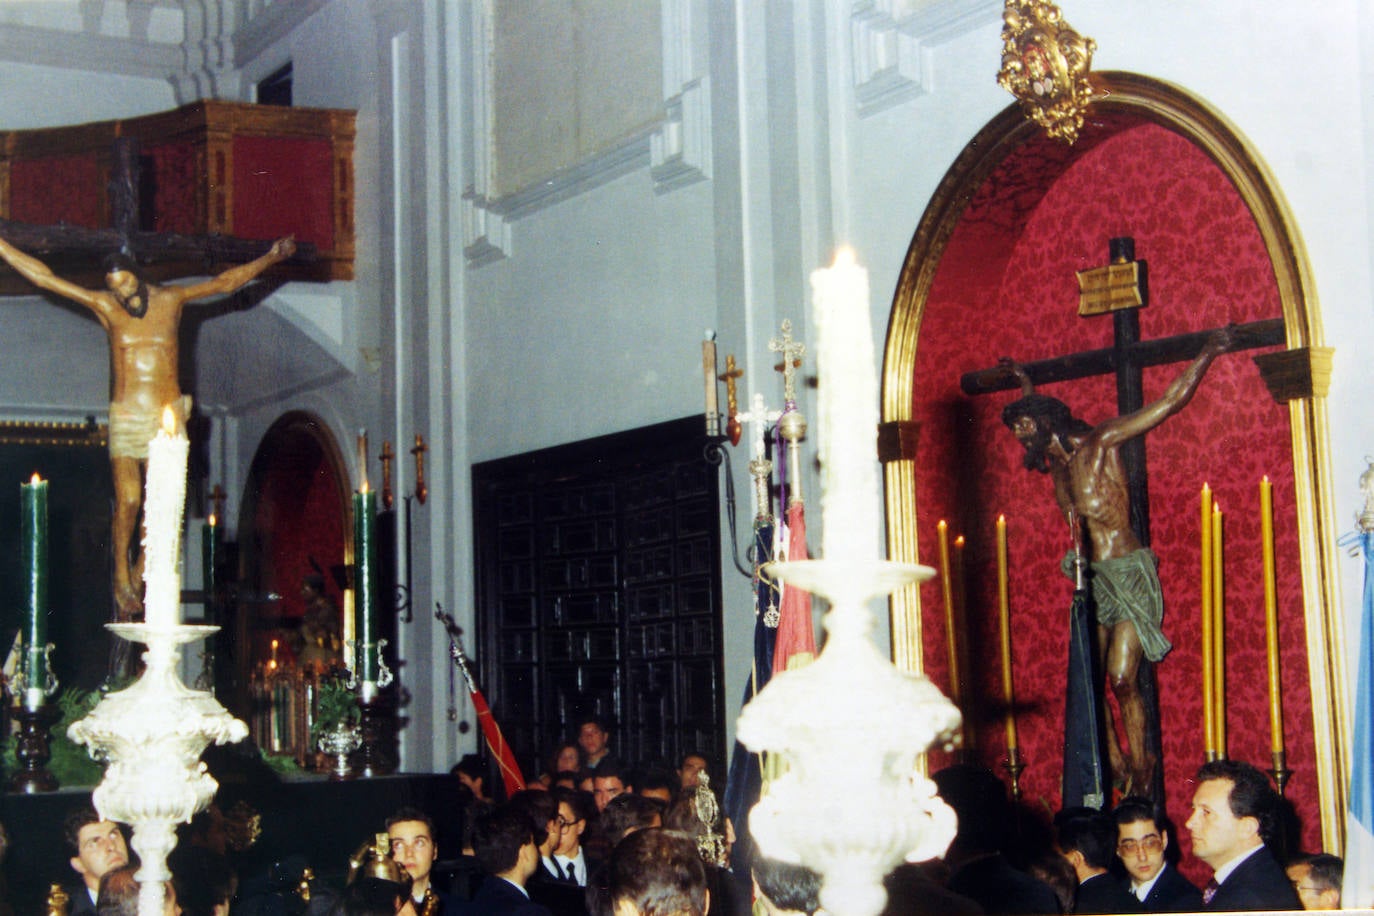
[{"x": 1045, "y": 64}]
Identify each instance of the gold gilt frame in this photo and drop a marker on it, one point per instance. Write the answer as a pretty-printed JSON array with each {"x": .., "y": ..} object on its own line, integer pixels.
[{"x": 1174, "y": 109}]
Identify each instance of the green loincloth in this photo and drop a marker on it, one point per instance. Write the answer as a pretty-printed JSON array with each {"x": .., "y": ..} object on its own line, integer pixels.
[{"x": 1127, "y": 588}]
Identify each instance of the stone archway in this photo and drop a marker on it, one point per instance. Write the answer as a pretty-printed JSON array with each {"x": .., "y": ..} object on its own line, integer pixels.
[{"x": 1006, "y": 170}]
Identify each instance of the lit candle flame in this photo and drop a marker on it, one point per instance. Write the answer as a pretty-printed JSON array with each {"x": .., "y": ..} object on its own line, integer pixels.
[
  {"x": 35, "y": 479},
  {"x": 213, "y": 520},
  {"x": 169, "y": 421}
]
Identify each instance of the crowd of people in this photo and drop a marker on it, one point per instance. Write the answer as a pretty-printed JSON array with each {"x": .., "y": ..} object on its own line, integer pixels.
[{"x": 594, "y": 837}]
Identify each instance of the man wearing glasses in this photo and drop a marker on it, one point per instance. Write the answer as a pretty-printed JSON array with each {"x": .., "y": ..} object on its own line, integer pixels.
[
  {"x": 569, "y": 855},
  {"x": 1140, "y": 844}
]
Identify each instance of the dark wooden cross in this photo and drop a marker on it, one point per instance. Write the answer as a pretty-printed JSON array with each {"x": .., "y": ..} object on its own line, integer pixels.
[
  {"x": 1121, "y": 288},
  {"x": 147, "y": 248},
  {"x": 1127, "y": 358}
]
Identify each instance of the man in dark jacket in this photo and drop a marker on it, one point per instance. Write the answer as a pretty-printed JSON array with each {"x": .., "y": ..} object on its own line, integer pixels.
[
  {"x": 503, "y": 840},
  {"x": 1141, "y": 844},
  {"x": 1235, "y": 811},
  {"x": 1086, "y": 839}
]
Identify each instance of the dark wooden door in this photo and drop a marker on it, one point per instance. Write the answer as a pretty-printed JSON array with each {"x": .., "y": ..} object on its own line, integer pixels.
[{"x": 599, "y": 592}]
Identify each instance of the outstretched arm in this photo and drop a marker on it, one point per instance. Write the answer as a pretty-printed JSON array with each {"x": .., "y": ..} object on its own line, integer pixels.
[
  {"x": 38, "y": 273},
  {"x": 236, "y": 277},
  {"x": 1175, "y": 397}
]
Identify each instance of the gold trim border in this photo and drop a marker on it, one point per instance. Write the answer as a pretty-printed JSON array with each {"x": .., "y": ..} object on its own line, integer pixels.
[
  {"x": 54, "y": 433},
  {"x": 1176, "y": 110}
]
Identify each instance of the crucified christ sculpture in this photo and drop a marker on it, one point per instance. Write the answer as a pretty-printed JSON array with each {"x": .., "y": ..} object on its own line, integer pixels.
[
  {"x": 141, "y": 320},
  {"x": 1090, "y": 487}
]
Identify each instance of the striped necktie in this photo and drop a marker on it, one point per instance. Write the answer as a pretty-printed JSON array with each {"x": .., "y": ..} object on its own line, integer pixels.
[{"x": 1209, "y": 891}]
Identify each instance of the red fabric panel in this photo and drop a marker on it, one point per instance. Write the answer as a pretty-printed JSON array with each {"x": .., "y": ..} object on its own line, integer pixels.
[
  {"x": 1006, "y": 287},
  {"x": 281, "y": 187},
  {"x": 65, "y": 189},
  {"x": 176, "y": 183}
]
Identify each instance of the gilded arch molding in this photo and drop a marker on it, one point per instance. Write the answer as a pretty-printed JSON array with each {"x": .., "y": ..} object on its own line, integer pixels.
[{"x": 1174, "y": 109}]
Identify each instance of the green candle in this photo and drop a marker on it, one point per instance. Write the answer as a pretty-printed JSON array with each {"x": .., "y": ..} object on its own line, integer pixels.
[
  {"x": 365, "y": 563},
  {"x": 34, "y": 537}
]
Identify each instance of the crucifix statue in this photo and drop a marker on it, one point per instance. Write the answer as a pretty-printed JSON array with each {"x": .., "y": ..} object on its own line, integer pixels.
[
  {"x": 141, "y": 320},
  {"x": 1099, "y": 485}
]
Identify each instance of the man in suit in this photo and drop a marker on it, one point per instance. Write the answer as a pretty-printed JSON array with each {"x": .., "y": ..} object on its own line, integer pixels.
[
  {"x": 549, "y": 885},
  {"x": 97, "y": 847},
  {"x": 1141, "y": 843},
  {"x": 1086, "y": 839},
  {"x": 1317, "y": 879},
  {"x": 1234, "y": 811},
  {"x": 411, "y": 833},
  {"x": 503, "y": 841},
  {"x": 572, "y": 861}
]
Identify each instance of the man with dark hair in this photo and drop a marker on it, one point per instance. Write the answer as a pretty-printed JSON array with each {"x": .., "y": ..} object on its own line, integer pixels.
[
  {"x": 657, "y": 783},
  {"x": 411, "y": 833},
  {"x": 1086, "y": 839},
  {"x": 625, "y": 814},
  {"x": 143, "y": 324},
  {"x": 96, "y": 847},
  {"x": 1234, "y": 811},
  {"x": 690, "y": 769},
  {"x": 594, "y": 737},
  {"x": 547, "y": 885},
  {"x": 656, "y": 873},
  {"x": 119, "y": 894},
  {"x": 471, "y": 772},
  {"x": 785, "y": 889},
  {"x": 1090, "y": 487},
  {"x": 1317, "y": 879},
  {"x": 574, "y": 809},
  {"x": 608, "y": 781},
  {"x": 503, "y": 841},
  {"x": 1141, "y": 841}
]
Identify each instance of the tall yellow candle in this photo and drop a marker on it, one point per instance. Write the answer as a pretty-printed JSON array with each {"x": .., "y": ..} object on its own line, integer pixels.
[
  {"x": 1004, "y": 618},
  {"x": 1209, "y": 734},
  {"x": 1271, "y": 614},
  {"x": 1218, "y": 631},
  {"x": 947, "y": 592}
]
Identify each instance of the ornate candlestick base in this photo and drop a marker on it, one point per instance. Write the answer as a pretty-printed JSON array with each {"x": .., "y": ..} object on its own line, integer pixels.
[
  {"x": 31, "y": 750},
  {"x": 812, "y": 717},
  {"x": 377, "y": 756},
  {"x": 1280, "y": 772},
  {"x": 152, "y": 735},
  {"x": 1014, "y": 765}
]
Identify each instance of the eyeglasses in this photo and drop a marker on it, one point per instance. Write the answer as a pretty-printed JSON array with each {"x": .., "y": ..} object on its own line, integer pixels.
[
  {"x": 1151, "y": 842},
  {"x": 564, "y": 824}
]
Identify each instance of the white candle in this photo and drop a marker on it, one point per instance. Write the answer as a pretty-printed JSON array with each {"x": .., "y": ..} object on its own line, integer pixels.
[
  {"x": 848, "y": 411},
  {"x": 708, "y": 370},
  {"x": 163, "y": 504}
]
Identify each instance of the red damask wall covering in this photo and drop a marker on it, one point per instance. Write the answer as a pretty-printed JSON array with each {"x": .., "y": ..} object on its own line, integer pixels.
[{"x": 1006, "y": 287}]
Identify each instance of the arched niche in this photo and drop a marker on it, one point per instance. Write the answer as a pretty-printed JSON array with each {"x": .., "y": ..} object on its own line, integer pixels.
[
  {"x": 971, "y": 238},
  {"x": 294, "y": 521}
]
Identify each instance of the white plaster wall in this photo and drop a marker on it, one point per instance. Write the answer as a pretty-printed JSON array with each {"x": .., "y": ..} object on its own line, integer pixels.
[{"x": 33, "y": 95}]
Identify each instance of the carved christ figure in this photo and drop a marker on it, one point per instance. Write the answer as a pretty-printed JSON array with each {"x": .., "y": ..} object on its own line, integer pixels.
[
  {"x": 1090, "y": 486},
  {"x": 141, "y": 321}
]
